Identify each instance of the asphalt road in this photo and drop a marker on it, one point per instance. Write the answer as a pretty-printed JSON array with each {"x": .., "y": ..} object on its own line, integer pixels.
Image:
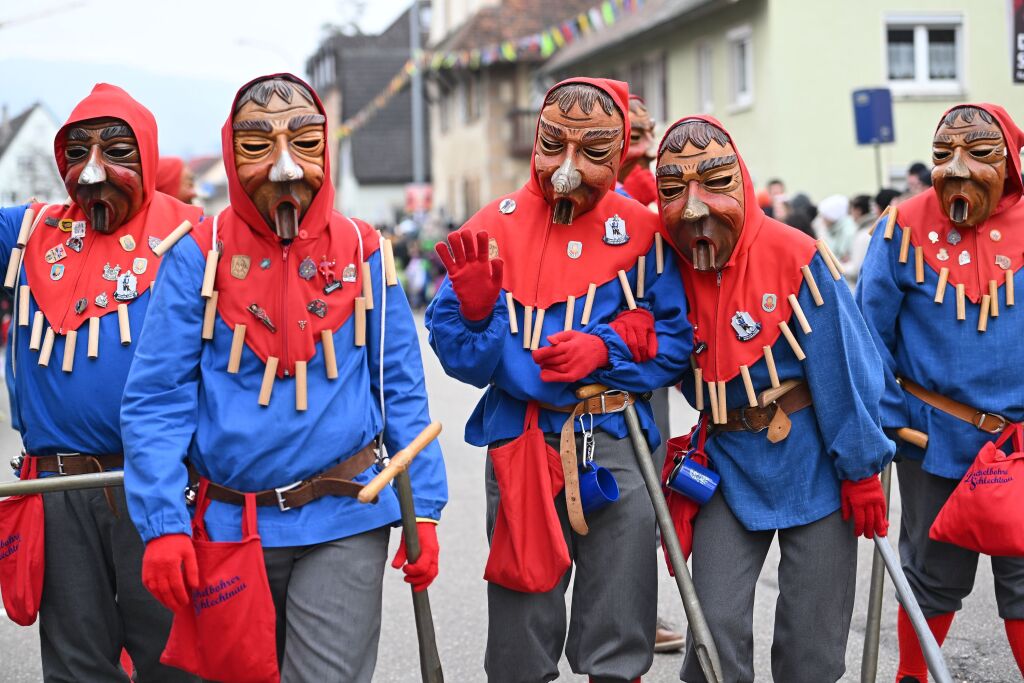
[{"x": 975, "y": 650}]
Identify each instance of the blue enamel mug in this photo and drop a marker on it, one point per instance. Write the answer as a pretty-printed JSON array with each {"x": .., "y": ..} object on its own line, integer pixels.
[
  {"x": 598, "y": 488},
  {"x": 693, "y": 480}
]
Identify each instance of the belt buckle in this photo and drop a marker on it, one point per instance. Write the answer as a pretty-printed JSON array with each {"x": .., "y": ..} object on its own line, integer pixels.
[
  {"x": 60, "y": 461},
  {"x": 746, "y": 423},
  {"x": 282, "y": 505},
  {"x": 979, "y": 420},
  {"x": 612, "y": 392}
]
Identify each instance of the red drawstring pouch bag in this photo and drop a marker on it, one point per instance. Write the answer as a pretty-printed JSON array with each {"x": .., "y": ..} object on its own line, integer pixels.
[
  {"x": 22, "y": 552},
  {"x": 528, "y": 551},
  {"x": 984, "y": 511},
  {"x": 228, "y": 631},
  {"x": 682, "y": 509}
]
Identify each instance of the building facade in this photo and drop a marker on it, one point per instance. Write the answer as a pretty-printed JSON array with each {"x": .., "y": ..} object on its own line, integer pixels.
[{"x": 27, "y": 168}]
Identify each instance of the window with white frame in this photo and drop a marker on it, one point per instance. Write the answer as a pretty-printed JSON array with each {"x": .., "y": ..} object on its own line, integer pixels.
[
  {"x": 924, "y": 54},
  {"x": 741, "y": 65},
  {"x": 705, "y": 90}
]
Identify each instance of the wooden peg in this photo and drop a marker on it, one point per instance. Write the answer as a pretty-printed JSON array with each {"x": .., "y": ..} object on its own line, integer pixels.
[
  {"x": 513, "y": 322},
  {"x": 993, "y": 293},
  {"x": 172, "y": 239},
  {"x": 538, "y": 329},
  {"x": 748, "y": 385},
  {"x": 94, "y": 337},
  {"x": 390, "y": 274},
  {"x": 570, "y": 312},
  {"x": 878, "y": 221},
  {"x": 627, "y": 291},
  {"x": 641, "y": 275},
  {"x": 769, "y": 360},
  {"x": 527, "y": 326},
  {"x": 588, "y": 304},
  {"x": 890, "y": 226},
  {"x": 793, "y": 343},
  {"x": 823, "y": 250},
  {"x": 24, "y": 297},
  {"x": 26, "y": 227},
  {"x": 359, "y": 314},
  {"x": 799, "y": 313},
  {"x": 905, "y": 245},
  {"x": 812, "y": 285},
  {"x": 210, "y": 315},
  {"x": 698, "y": 388},
  {"x": 124, "y": 324},
  {"x": 12, "y": 268},
  {"x": 723, "y": 408},
  {"x": 300, "y": 385},
  {"x": 367, "y": 286},
  {"x": 237, "y": 342},
  {"x": 47, "y": 347},
  {"x": 1009, "y": 288},
  {"x": 659, "y": 254},
  {"x": 983, "y": 313},
  {"x": 835, "y": 261},
  {"x": 269, "y": 373},
  {"x": 330, "y": 360},
  {"x": 210, "y": 273},
  {"x": 713, "y": 400},
  {"x": 70, "y": 342},
  {"x": 918, "y": 264},
  {"x": 940, "y": 289},
  {"x": 36, "y": 337},
  {"x": 961, "y": 304}
]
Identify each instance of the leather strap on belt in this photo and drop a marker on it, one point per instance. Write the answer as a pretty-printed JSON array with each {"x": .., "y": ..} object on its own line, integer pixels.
[
  {"x": 612, "y": 401},
  {"x": 991, "y": 423},
  {"x": 337, "y": 481},
  {"x": 76, "y": 463},
  {"x": 773, "y": 416}
]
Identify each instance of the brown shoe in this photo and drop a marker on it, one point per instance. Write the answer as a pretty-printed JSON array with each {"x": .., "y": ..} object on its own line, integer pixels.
[{"x": 666, "y": 639}]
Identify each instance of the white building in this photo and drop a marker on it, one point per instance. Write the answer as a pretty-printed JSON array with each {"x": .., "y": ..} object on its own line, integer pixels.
[{"x": 27, "y": 168}]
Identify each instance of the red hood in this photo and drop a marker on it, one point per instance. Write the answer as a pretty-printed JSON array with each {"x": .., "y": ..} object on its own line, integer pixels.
[
  {"x": 168, "y": 175},
  {"x": 319, "y": 212},
  {"x": 107, "y": 100}
]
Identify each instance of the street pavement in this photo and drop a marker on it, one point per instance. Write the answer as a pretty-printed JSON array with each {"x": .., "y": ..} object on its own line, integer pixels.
[{"x": 975, "y": 650}]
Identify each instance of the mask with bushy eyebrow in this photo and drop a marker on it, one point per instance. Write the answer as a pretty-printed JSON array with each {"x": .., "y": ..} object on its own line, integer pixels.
[
  {"x": 103, "y": 171},
  {"x": 969, "y": 153}
]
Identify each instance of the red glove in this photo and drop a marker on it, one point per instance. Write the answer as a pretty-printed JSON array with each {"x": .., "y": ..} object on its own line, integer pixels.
[
  {"x": 636, "y": 327},
  {"x": 170, "y": 571},
  {"x": 475, "y": 278},
  {"x": 865, "y": 500},
  {"x": 423, "y": 571},
  {"x": 683, "y": 511},
  {"x": 571, "y": 357}
]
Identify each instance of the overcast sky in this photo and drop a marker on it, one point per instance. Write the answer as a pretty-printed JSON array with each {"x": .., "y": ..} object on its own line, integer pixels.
[{"x": 184, "y": 64}]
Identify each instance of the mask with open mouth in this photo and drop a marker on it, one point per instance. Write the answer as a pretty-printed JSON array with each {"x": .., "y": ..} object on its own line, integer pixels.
[
  {"x": 279, "y": 143},
  {"x": 103, "y": 171},
  {"x": 578, "y": 148},
  {"x": 700, "y": 193},
  {"x": 969, "y": 153}
]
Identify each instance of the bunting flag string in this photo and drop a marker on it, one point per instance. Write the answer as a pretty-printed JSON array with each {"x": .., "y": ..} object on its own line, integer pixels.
[{"x": 542, "y": 44}]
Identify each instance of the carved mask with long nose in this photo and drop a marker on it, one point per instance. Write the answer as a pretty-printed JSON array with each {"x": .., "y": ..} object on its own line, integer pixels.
[
  {"x": 969, "y": 153},
  {"x": 279, "y": 151},
  {"x": 103, "y": 171}
]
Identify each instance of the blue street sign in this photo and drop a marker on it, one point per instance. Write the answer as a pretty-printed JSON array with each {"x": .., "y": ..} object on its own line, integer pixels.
[{"x": 872, "y": 112}]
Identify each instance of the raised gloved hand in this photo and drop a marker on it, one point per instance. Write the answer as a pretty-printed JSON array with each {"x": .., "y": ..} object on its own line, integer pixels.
[
  {"x": 865, "y": 500},
  {"x": 475, "y": 278},
  {"x": 571, "y": 357},
  {"x": 423, "y": 571},
  {"x": 636, "y": 327},
  {"x": 170, "y": 571}
]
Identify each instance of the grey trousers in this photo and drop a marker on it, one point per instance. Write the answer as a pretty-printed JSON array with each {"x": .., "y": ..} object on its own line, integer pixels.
[
  {"x": 941, "y": 574},
  {"x": 615, "y": 593},
  {"x": 817, "y": 580},
  {"x": 94, "y": 603},
  {"x": 328, "y": 603}
]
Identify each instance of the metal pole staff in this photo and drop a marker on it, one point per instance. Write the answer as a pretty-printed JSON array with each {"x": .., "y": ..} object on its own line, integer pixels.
[
  {"x": 872, "y": 632},
  {"x": 74, "y": 482}
]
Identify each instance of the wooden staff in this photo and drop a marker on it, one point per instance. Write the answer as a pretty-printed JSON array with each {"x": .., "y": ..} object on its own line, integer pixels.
[
  {"x": 210, "y": 273},
  {"x": 940, "y": 289},
  {"x": 749, "y": 386},
  {"x": 367, "y": 286},
  {"x": 210, "y": 315},
  {"x": 823, "y": 250},
  {"x": 961, "y": 305},
  {"x": 301, "y": 402},
  {"x": 24, "y": 297},
  {"x": 713, "y": 400},
  {"x": 47, "y": 348},
  {"x": 983, "y": 313},
  {"x": 905, "y": 245},
  {"x": 1009, "y": 288},
  {"x": 390, "y": 274},
  {"x": 641, "y": 274},
  {"x": 527, "y": 326},
  {"x": 538, "y": 329},
  {"x": 269, "y": 373},
  {"x": 812, "y": 286},
  {"x": 330, "y": 360},
  {"x": 993, "y": 293},
  {"x": 36, "y": 337},
  {"x": 918, "y": 264},
  {"x": 588, "y": 304},
  {"x": 70, "y": 342},
  {"x": 698, "y": 388},
  {"x": 513, "y": 323},
  {"x": 237, "y": 342},
  {"x": 799, "y": 313},
  {"x": 769, "y": 360},
  {"x": 793, "y": 344},
  {"x": 124, "y": 324},
  {"x": 399, "y": 463},
  {"x": 172, "y": 239},
  {"x": 360, "y": 320},
  {"x": 570, "y": 312},
  {"x": 627, "y": 291},
  {"x": 659, "y": 254},
  {"x": 723, "y": 408},
  {"x": 94, "y": 338}
]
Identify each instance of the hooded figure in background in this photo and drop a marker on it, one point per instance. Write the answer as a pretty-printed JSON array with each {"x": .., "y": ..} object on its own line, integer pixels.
[
  {"x": 67, "y": 362},
  {"x": 784, "y": 378},
  {"x": 175, "y": 178},
  {"x": 635, "y": 172},
  {"x": 559, "y": 285},
  {"x": 937, "y": 291}
]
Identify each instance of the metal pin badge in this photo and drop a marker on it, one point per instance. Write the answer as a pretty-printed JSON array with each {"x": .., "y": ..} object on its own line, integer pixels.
[
  {"x": 262, "y": 316},
  {"x": 127, "y": 286},
  {"x": 154, "y": 242},
  {"x": 317, "y": 307},
  {"x": 349, "y": 273},
  {"x": 81, "y": 305},
  {"x": 769, "y": 302},
  {"x": 574, "y": 249},
  {"x": 943, "y": 255},
  {"x": 111, "y": 273},
  {"x": 1003, "y": 261},
  {"x": 744, "y": 326},
  {"x": 75, "y": 244},
  {"x": 326, "y": 268},
  {"x": 139, "y": 265},
  {"x": 101, "y": 300},
  {"x": 954, "y": 237},
  {"x": 933, "y": 237},
  {"x": 51, "y": 221},
  {"x": 964, "y": 258},
  {"x": 240, "y": 266},
  {"x": 265, "y": 262},
  {"x": 57, "y": 271},
  {"x": 127, "y": 242},
  {"x": 615, "y": 231},
  {"x": 78, "y": 229},
  {"x": 995, "y": 235},
  {"x": 302, "y": 324},
  {"x": 58, "y": 253},
  {"x": 307, "y": 269},
  {"x": 65, "y": 224},
  {"x": 507, "y": 206}
]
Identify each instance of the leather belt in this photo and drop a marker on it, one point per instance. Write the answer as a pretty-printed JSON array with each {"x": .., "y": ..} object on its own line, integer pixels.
[
  {"x": 76, "y": 463},
  {"x": 336, "y": 481},
  {"x": 774, "y": 416},
  {"x": 990, "y": 423},
  {"x": 607, "y": 402}
]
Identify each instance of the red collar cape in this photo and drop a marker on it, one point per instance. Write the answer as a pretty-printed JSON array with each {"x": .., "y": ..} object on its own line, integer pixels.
[
  {"x": 764, "y": 269},
  {"x": 539, "y": 270},
  {"x": 998, "y": 237},
  {"x": 87, "y": 274},
  {"x": 249, "y": 244}
]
